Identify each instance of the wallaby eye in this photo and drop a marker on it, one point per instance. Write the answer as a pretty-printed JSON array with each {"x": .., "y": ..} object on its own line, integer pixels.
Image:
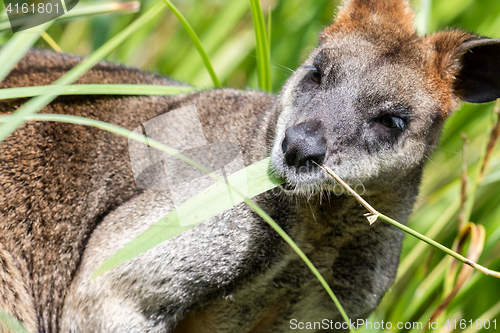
[
  {"x": 314, "y": 75},
  {"x": 392, "y": 122}
]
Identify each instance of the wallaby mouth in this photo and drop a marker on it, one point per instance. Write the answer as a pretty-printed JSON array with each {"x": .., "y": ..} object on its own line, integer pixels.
[{"x": 306, "y": 179}]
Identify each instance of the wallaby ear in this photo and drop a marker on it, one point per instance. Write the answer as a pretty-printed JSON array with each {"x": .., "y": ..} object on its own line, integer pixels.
[
  {"x": 478, "y": 79},
  {"x": 379, "y": 17}
]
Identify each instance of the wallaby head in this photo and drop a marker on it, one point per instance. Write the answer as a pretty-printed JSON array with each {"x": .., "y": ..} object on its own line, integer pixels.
[{"x": 370, "y": 100}]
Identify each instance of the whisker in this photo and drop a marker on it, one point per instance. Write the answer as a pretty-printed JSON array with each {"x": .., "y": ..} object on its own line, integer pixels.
[
  {"x": 283, "y": 67},
  {"x": 276, "y": 65},
  {"x": 312, "y": 213},
  {"x": 427, "y": 157}
]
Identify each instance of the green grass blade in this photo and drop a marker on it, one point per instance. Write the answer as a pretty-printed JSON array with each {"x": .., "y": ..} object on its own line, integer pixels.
[
  {"x": 196, "y": 41},
  {"x": 263, "y": 52},
  {"x": 227, "y": 59},
  {"x": 269, "y": 28},
  {"x": 102, "y": 7},
  {"x": 17, "y": 47},
  {"x": 208, "y": 203},
  {"x": 96, "y": 89},
  {"x": 418, "y": 251},
  {"x": 83, "y": 9},
  {"x": 213, "y": 38},
  {"x": 37, "y": 103},
  {"x": 474, "y": 175}
]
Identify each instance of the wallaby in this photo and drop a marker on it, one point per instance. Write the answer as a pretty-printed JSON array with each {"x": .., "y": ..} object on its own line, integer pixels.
[{"x": 369, "y": 103}]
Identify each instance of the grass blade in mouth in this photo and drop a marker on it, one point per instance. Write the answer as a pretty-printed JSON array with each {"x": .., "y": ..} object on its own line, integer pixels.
[{"x": 374, "y": 215}]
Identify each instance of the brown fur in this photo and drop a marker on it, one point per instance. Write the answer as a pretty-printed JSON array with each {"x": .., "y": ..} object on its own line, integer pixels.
[
  {"x": 392, "y": 19},
  {"x": 14, "y": 292},
  {"x": 443, "y": 65}
]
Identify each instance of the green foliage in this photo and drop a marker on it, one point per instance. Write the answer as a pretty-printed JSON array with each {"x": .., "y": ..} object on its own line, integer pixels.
[
  {"x": 97, "y": 89},
  {"x": 262, "y": 39},
  {"x": 195, "y": 39},
  {"x": 251, "y": 181}
]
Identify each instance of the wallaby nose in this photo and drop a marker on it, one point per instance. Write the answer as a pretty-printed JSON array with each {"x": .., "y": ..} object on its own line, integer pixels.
[{"x": 304, "y": 144}]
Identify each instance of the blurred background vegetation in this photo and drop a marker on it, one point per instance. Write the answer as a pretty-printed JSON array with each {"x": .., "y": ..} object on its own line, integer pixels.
[{"x": 227, "y": 33}]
